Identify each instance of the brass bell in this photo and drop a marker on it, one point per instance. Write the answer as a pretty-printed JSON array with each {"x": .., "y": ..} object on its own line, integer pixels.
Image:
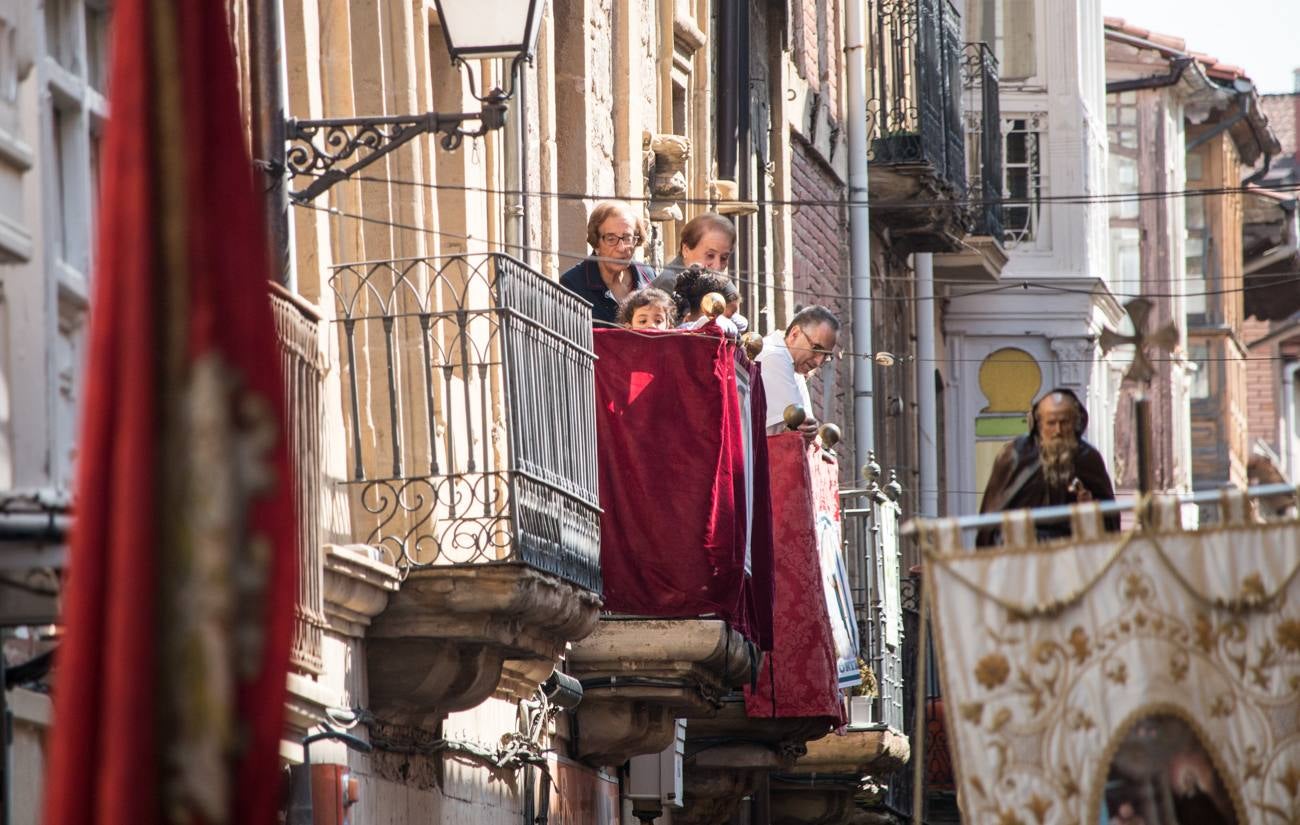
[
  {"x": 794, "y": 415},
  {"x": 753, "y": 343},
  {"x": 713, "y": 304},
  {"x": 830, "y": 435}
]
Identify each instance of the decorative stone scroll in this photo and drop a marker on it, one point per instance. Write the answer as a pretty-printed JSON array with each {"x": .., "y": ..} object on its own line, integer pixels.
[{"x": 1147, "y": 674}]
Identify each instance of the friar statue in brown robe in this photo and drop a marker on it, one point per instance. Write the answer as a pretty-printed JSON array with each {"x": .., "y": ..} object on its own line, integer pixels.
[{"x": 1051, "y": 464}]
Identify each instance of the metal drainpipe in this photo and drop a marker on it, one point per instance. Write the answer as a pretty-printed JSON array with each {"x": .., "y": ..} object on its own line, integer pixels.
[
  {"x": 1177, "y": 66},
  {"x": 524, "y": 251},
  {"x": 725, "y": 93},
  {"x": 1288, "y": 420},
  {"x": 266, "y": 32},
  {"x": 864, "y": 433},
  {"x": 926, "y": 406}
]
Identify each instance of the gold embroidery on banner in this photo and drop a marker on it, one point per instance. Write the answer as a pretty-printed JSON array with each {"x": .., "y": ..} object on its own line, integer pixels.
[
  {"x": 1039, "y": 807},
  {"x": 1288, "y": 635},
  {"x": 1234, "y": 650},
  {"x": 1079, "y": 644},
  {"x": 992, "y": 670}
]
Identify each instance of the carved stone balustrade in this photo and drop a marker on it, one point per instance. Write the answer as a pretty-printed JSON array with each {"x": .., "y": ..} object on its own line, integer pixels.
[
  {"x": 639, "y": 675},
  {"x": 444, "y": 641}
]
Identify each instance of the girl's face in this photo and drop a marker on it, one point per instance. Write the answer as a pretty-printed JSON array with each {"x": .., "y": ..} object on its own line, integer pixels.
[
  {"x": 733, "y": 306},
  {"x": 651, "y": 316}
]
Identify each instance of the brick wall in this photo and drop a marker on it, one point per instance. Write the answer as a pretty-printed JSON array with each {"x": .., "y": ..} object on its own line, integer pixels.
[
  {"x": 1261, "y": 385},
  {"x": 818, "y": 45},
  {"x": 821, "y": 275}
]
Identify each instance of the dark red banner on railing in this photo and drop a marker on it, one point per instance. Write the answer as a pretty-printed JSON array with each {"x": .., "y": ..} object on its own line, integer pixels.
[
  {"x": 677, "y": 442},
  {"x": 798, "y": 678}
]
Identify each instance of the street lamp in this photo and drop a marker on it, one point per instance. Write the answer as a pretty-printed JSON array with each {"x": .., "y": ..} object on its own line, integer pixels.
[
  {"x": 474, "y": 30},
  {"x": 505, "y": 28}
]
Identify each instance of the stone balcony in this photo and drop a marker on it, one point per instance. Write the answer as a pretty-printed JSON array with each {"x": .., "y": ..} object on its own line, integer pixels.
[
  {"x": 728, "y": 753},
  {"x": 820, "y": 789},
  {"x": 639, "y": 675},
  {"x": 466, "y": 386},
  {"x": 453, "y": 636}
]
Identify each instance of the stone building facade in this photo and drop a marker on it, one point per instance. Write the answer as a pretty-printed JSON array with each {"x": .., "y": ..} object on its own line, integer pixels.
[
  {"x": 677, "y": 107},
  {"x": 52, "y": 109}
]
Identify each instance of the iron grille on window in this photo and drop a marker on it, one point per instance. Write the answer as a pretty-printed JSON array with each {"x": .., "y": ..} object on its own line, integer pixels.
[
  {"x": 468, "y": 395},
  {"x": 1023, "y": 175},
  {"x": 914, "y": 108},
  {"x": 983, "y": 139}
]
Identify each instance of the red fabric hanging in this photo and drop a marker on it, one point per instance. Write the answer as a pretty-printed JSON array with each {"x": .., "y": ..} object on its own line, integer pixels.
[
  {"x": 798, "y": 678},
  {"x": 672, "y": 480},
  {"x": 178, "y": 612}
]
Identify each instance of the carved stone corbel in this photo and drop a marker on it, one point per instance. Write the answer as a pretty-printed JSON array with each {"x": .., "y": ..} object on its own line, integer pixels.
[
  {"x": 454, "y": 635},
  {"x": 640, "y": 675}
]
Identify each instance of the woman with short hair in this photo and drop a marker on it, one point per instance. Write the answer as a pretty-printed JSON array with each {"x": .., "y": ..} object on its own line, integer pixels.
[
  {"x": 614, "y": 232},
  {"x": 708, "y": 240}
]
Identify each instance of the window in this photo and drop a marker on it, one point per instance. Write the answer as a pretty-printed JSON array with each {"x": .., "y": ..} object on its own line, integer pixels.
[
  {"x": 1122, "y": 180},
  {"x": 1199, "y": 354},
  {"x": 1008, "y": 27},
  {"x": 1023, "y": 178},
  {"x": 97, "y": 46},
  {"x": 1197, "y": 247},
  {"x": 8, "y": 62},
  {"x": 61, "y": 34},
  {"x": 72, "y": 73}
]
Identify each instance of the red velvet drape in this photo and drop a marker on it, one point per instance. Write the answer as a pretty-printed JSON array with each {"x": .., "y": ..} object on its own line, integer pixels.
[
  {"x": 798, "y": 677},
  {"x": 668, "y": 421}
]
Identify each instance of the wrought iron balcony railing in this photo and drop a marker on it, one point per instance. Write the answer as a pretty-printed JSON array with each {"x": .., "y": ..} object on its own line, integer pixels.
[
  {"x": 873, "y": 559},
  {"x": 303, "y": 369},
  {"x": 468, "y": 396},
  {"x": 915, "y": 102},
  {"x": 983, "y": 139}
]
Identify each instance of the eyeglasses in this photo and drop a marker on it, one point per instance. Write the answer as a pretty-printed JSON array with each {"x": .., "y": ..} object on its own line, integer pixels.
[
  {"x": 826, "y": 353},
  {"x": 610, "y": 239}
]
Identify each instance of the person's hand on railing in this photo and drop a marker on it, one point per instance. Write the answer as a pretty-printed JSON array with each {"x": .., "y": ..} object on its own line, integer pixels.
[
  {"x": 798, "y": 420},
  {"x": 808, "y": 429}
]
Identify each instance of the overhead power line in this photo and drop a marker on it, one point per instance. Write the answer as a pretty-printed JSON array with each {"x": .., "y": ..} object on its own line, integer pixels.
[
  {"x": 873, "y": 203},
  {"x": 978, "y": 287}
]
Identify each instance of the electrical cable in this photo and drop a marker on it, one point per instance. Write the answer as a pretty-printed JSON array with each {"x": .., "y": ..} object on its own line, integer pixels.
[
  {"x": 877, "y": 204},
  {"x": 1032, "y": 287}
]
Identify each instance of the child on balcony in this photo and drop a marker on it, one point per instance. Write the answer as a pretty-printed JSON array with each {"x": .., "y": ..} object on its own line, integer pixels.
[
  {"x": 692, "y": 286},
  {"x": 648, "y": 308}
]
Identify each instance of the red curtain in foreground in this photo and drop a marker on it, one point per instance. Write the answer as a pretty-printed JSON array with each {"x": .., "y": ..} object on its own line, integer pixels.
[
  {"x": 178, "y": 612},
  {"x": 799, "y": 677},
  {"x": 672, "y": 481}
]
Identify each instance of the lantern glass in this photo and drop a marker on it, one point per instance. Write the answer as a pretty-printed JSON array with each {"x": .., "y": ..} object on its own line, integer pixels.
[{"x": 497, "y": 28}]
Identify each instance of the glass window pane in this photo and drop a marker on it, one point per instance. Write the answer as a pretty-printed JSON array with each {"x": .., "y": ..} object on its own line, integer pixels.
[{"x": 1199, "y": 354}]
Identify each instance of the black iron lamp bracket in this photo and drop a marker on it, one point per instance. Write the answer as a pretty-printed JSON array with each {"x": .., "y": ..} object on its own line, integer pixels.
[{"x": 322, "y": 149}]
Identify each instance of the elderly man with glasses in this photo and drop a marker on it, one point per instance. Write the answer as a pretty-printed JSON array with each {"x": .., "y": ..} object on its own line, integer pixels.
[
  {"x": 614, "y": 232},
  {"x": 788, "y": 357}
]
